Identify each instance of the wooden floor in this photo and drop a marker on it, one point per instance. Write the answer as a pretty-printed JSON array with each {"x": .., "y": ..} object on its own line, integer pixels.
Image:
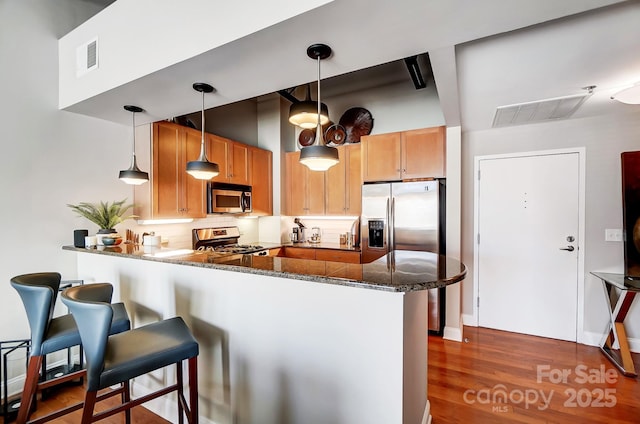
[
  {"x": 69, "y": 395},
  {"x": 467, "y": 379}
]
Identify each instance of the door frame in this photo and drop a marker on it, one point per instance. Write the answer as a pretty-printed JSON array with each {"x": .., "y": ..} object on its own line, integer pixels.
[{"x": 581, "y": 151}]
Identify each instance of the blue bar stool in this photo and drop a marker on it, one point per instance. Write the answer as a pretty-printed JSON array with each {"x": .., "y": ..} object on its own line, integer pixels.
[
  {"x": 116, "y": 359},
  {"x": 38, "y": 292}
]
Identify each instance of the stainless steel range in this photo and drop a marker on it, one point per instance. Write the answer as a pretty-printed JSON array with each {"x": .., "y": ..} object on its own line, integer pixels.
[{"x": 222, "y": 240}]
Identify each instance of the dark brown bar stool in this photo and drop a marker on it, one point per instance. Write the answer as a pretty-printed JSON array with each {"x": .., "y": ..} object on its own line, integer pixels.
[
  {"x": 116, "y": 359},
  {"x": 38, "y": 292}
]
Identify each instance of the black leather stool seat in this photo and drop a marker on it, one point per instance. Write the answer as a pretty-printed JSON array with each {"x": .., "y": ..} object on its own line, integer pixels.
[{"x": 144, "y": 349}]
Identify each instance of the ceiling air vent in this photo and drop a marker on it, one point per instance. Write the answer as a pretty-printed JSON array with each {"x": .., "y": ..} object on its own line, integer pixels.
[
  {"x": 539, "y": 111},
  {"x": 87, "y": 57}
]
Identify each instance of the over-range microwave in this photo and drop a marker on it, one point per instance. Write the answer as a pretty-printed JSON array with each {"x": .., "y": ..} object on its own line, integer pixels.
[{"x": 228, "y": 198}]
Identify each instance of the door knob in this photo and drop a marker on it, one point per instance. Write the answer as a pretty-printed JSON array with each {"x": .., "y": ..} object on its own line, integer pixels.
[{"x": 568, "y": 248}]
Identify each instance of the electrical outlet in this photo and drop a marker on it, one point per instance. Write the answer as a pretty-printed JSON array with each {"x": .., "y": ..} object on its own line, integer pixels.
[{"x": 613, "y": 234}]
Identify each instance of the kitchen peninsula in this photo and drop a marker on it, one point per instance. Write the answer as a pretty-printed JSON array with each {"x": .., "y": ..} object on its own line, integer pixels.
[{"x": 284, "y": 339}]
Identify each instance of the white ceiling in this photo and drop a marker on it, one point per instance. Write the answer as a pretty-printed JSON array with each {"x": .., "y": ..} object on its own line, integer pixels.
[{"x": 484, "y": 54}]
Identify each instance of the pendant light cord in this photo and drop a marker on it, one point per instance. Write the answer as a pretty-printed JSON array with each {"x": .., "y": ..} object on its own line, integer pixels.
[
  {"x": 203, "y": 155},
  {"x": 319, "y": 127},
  {"x": 133, "y": 125}
]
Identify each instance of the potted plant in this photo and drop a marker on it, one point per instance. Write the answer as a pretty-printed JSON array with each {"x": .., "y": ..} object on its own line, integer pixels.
[{"x": 103, "y": 214}]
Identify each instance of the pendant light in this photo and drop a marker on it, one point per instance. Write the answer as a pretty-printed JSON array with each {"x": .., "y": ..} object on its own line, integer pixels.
[
  {"x": 319, "y": 157},
  {"x": 304, "y": 113},
  {"x": 201, "y": 168},
  {"x": 134, "y": 175}
]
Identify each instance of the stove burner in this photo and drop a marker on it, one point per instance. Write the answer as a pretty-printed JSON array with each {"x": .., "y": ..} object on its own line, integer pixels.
[{"x": 238, "y": 248}]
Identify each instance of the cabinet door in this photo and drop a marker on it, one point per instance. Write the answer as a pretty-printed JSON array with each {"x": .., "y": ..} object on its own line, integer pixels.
[
  {"x": 315, "y": 191},
  {"x": 166, "y": 154},
  {"x": 335, "y": 185},
  {"x": 353, "y": 181},
  {"x": 296, "y": 185},
  {"x": 239, "y": 163},
  {"x": 381, "y": 157},
  {"x": 261, "y": 181},
  {"x": 423, "y": 153},
  {"x": 217, "y": 152},
  {"x": 192, "y": 190}
]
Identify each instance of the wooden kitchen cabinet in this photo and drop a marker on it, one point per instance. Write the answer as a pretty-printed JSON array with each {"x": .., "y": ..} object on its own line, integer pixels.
[
  {"x": 298, "y": 252},
  {"x": 232, "y": 157},
  {"x": 172, "y": 193},
  {"x": 304, "y": 188},
  {"x": 343, "y": 183},
  {"x": 404, "y": 155},
  {"x": 337, "y": 191},
  {"x": 175, "y": 194},
  {"x": 261, "y": 181}
]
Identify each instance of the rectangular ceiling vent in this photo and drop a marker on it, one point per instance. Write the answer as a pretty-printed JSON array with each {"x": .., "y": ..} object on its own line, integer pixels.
[
  {"x": 87, "y": 57},
  {"x": 538, "y": 111}
]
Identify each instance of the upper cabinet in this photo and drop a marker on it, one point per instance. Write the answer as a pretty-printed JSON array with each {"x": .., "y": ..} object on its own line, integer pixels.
[
  {"x": 261, "y": 181},
  {"x": 232, "y": 158},
  {"x": 304, "y": 188},
  {"x": 336, "y": 191},
  {"x": 172, "y": 193},
  {"x": 343, "y": 183},
  {"x": 404, "y": 155}
]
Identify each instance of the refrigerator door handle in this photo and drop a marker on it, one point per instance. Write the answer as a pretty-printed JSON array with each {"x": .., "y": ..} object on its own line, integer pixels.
[
  {"x": 392, "y": 226},
  {"x": 388, "y": 235}
]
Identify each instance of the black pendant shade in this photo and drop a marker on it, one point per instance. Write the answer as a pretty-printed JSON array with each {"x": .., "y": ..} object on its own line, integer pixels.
[
  {"x": 201, "y": 168},
  {"x": 133, "y": 175},
  {"x": 319, "y": 157}
]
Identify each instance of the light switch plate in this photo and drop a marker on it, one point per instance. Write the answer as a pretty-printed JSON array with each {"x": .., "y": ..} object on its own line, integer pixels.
[{"x": 613, "y": 234}]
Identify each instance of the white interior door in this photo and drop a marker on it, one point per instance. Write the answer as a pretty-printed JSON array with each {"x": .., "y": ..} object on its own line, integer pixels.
[{"x": 528, "y": 223}]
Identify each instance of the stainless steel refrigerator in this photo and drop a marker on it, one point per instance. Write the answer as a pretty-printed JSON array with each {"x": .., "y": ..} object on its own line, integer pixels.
[{"x": 405, "y": 216}]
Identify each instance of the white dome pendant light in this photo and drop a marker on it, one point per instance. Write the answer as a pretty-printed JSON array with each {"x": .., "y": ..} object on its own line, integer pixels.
[
  {"x": 319, "y": 157},
  {"x": 201, "y": 168},
  {"x": 133, "y": 175}
]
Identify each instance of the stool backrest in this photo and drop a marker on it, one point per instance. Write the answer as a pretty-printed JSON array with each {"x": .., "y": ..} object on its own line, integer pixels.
[
  {"x": 38, "y": 292},
  {"x": 90, "y": 305}
]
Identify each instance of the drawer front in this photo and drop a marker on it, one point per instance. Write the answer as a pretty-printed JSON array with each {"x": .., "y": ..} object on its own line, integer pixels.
[
  {"x": 338, "y": 256},
  {"x": 298, "y": 253}
]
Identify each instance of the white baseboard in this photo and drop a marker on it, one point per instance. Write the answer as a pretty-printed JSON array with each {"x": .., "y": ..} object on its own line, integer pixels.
[
  {"x": 452, "y": 333},
  {"x": 469, "y": 320}
]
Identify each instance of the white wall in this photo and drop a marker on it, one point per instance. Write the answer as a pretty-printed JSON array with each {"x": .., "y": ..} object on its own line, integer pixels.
[
  {"x": 50, "y": 158},
  {"x": 604, "y": 138}
]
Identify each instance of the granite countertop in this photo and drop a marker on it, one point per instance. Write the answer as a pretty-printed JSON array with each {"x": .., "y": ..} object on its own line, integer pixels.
[{"x": 398, "y": 271}]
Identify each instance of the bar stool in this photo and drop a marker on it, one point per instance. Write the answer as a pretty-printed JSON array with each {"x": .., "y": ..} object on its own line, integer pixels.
[
  {"x": 116, "y": 359},
  {"x": 38, "y": 292}
]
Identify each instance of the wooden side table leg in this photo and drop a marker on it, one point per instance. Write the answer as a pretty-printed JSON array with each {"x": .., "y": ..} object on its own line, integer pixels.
[{"x": 625, "y": 353}]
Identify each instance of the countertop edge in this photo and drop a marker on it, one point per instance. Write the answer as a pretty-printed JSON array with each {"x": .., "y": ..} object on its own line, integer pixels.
[{"x": 182, "y": 260}]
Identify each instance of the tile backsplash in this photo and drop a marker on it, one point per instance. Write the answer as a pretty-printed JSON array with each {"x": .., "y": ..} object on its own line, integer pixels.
[
  {"x": 330, "y": 228},
  {"x": 252, "y": 230}
]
